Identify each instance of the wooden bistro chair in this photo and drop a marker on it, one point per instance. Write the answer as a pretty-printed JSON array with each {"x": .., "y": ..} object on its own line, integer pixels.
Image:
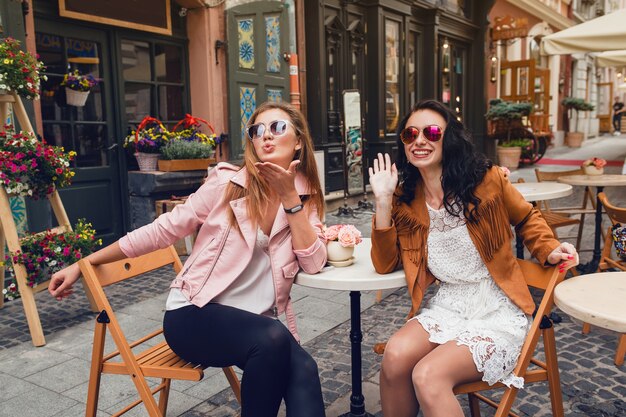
[
  {"x": 528, "y": 367},
  {"x": 616, "y": 215},
  {"x": 157, "y": 361},
  {"x": 561, "y": 216}
]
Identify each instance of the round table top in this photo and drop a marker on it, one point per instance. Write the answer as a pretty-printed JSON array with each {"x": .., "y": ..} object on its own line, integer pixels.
[
  {"x": 359, "y": 276},
  {"x": 594, "y": 180},
  {"x": 598, "y": 299},
  {"x": 538, "y": 191}
]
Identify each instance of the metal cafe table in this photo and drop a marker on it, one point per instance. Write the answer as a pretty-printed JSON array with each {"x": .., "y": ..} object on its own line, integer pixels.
[
  {"x": 598, "y": 181},
  {"x": 598, "y": 299},
  {"x": 360, "y": 276},
  {"x": 539, "y": 191}
]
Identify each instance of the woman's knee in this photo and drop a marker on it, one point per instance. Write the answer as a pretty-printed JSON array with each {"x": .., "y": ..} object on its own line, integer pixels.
[
  {"x": 428, "y": 382},
  {"x": 398, "y": 359},
  {"x": 274, "y": 339}
]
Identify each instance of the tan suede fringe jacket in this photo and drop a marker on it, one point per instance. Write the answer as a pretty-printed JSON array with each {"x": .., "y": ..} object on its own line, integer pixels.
[{"x": 501, "y": 205}]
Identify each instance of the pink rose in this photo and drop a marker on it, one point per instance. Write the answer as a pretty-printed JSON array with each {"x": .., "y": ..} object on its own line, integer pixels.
[
  {"x": 332, "y": 232},
  {"x": 349, "y": 236}
]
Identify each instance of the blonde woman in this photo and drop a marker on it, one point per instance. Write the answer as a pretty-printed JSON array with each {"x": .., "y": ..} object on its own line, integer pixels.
[{"x": 259, "y": 223}]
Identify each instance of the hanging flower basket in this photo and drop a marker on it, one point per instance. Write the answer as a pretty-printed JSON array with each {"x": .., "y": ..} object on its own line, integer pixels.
[
  {"x": 147, "y": 161},
  {"x": 76, "y": 98}
]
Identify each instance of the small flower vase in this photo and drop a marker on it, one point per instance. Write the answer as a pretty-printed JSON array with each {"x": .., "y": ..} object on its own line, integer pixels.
[
  {"x": 76, "y": 98},
  {"x": 338, "y": 253},
  {"x": 592, "y": 170},
  {"x": 147, "y": 161}
]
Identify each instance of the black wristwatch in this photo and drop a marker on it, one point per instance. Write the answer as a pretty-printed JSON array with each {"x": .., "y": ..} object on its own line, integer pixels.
[{"x": 294, "y": 209}]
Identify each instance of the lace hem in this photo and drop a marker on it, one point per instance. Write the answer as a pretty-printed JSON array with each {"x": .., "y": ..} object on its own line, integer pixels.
[{"x": 493, "y": 356}]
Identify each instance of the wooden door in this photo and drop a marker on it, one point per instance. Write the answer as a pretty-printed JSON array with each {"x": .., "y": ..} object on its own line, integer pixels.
[
  {"x": 515, "y": 80},
  {"x": 541, "y": 91},
  {"x": 258, "y": 35},
  {"x": 605, "y": 108},
  {"x": 89, "y": 130}
]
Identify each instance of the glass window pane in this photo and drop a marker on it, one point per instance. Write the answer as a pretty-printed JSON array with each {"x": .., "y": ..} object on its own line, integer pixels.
[
  {"x": 392, "y": 74},
  {"x": 53, "y": 101},
  {"x": 93, "y": 110},
  {"x": 136, "y": 60},
  {"x": 50, "y": 50},
  {"x": 91, "y": 145},
  {"x": 83, "y": 55},
  {"x": 138, "y": 101},
  {"x": 171, "y": 103},
  {"x": 58, "y": 135},
  {"x": 168, "y": 63}
]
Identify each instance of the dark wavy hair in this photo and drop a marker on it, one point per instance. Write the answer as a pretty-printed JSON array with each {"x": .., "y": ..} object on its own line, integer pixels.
[{"x": 463, "y": 167}]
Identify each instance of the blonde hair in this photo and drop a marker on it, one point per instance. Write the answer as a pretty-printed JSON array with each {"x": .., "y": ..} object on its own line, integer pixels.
[{"x": 258, "y": 189}]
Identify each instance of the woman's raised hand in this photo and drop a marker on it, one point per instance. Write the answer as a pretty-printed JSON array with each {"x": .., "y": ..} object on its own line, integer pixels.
[
  {"x": 565, "y": 256},
  {"x": 281, "y": 180},
  {"x": 383, "y": 177}
]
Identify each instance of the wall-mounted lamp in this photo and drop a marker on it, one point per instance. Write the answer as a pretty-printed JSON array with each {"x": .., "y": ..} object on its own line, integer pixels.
[
  {"x": 494, "y": 67},
  {"x": 445, "y": 43},
  {"x": 619, "y": 74}
]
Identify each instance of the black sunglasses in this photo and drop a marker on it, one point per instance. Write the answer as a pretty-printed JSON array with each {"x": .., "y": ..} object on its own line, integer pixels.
[
  {"x": 277, "y": 128},
  {"x": 410, "y": 134}
]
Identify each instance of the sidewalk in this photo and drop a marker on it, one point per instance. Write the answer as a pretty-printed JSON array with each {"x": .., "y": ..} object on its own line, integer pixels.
[{"x": 52, "y": 380}]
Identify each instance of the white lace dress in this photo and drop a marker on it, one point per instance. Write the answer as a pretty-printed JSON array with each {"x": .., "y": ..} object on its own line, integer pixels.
[{"x": 468, "y": 306}]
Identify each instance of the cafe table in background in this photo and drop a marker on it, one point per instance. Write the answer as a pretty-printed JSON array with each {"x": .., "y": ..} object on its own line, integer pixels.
[{"x": 598, "y": 181}]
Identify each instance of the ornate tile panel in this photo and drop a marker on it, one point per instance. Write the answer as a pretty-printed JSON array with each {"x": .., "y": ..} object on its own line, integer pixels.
[
  {"x": 18, "y": 208},
  {"x": 247, "y": 105},
  {"x": 245, "y": 34},
  {"x": 272, "y": 43},
  {"x": 274, "y": 95}
]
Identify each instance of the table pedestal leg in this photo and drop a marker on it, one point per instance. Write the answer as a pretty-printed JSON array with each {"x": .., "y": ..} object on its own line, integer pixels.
[
  {"x": 357, "y": 401},
  {"x": 592, "y": 266},
  {"x": 519, "y": 246}
]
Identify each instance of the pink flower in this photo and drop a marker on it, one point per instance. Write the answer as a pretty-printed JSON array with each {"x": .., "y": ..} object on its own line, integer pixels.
[
  {"x": 332, "y": 232},
  {"x": 596, "y": 162},
  {"x": 346, "y": 234}
]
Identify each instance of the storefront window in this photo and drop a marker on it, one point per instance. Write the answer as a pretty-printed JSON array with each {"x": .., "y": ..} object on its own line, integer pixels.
[
  {"x": 153, "y": 81},
  {"x": 392, "y": 74},
  {"x": 79, "y": 128},
  {"x": 452, "y": 73}
]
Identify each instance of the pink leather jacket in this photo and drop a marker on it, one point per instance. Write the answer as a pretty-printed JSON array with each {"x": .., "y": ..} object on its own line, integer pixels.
[{"x": 221, "y": 252}]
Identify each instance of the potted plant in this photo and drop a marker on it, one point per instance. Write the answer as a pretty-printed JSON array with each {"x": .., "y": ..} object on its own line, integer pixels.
[
  {"x": 47, "y": 252},
  {"x": 594, "y": 166},
  {"x": 340, "y": 242},
  {"x": 189, "y": 149},
  {"x": 77, "y": 87},
  {"x": 20, "y": 71},
  {"x": 146, "y": 142},
  {"x": 183, "y": 155},
  {"x": 30, "y": 167},
  {"x": 508, "y": 130},
  {"x": 574, "y": 139}
]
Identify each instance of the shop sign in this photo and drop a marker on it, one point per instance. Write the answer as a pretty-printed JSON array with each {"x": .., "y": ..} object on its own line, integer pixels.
[
  {"x": 148, "y": 15},
  {"x": 509, "y": 27}
]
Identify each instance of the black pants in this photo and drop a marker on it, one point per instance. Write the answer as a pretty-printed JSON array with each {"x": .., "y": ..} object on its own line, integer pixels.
[
  {"x": 275, "y": 366},
  {"x": 617, "y": 118}
]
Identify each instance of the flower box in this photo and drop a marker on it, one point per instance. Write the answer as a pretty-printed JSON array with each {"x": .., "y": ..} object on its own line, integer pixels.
[{"x": 185, "y": 164}]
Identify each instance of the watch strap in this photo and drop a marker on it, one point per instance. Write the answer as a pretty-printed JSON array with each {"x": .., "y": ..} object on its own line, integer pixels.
[{"x": 294, "y": 209}]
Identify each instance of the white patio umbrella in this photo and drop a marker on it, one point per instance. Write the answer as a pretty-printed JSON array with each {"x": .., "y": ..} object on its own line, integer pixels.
[
  {"x": 611, "y": 59},
  {"x": 604, "y": 33}
]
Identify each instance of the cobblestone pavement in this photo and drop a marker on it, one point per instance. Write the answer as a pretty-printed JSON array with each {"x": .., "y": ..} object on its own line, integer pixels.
[{"x": 592, "y": 385}]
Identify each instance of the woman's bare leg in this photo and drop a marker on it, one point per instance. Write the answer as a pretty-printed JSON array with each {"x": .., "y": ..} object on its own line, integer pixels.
[
  {"x": 435, "y": 376},
  {"x": 405, "y": 348}
]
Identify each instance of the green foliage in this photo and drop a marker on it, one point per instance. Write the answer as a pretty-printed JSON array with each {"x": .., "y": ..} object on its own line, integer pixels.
[
  {"x": 505, "y": 110},
  {"x": 577, "y": 104},
  {"x": 523, "y": 143},
  {"x": 182, "y": 149}
]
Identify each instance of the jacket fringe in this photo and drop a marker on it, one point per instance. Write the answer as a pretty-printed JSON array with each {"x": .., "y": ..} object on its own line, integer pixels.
[
  {"x": 413, "y": 234},
  {"x": 494, "y": 229}
]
